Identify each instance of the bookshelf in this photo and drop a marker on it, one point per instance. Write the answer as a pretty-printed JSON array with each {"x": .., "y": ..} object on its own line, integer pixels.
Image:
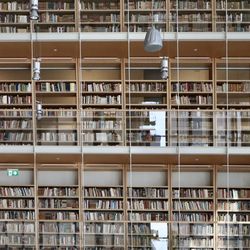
[
  {"x": 237, "y": 16},
  {"x": 233, "y": 207},
  {"x": 16, "y": 103},
  {"x": 56, "y": 16},
  {"x": 103, "y": 207},
  {"x": 57, "y": 93},
  {"x": 101, "y": 102},
  {"x": 192, "y": 84},
  {"x": 146, "y": 101},
  {"x": 232, "y": 85},
  {"x": 100, "y": 16},
  {"x": 115, "y": 16},
  {"x": 191, "y": 128},
  {"x": 140, "y": 15},
  {"x": 58, "y": 206},
  {"x": 192, "y": 16},
  {"x": 14, "y": 17},
  {"x": 193, "y": 199},
  {"x": 84, "y": 206},
  {"x": 147, "y": 207},
  {"x": 17, "y": 208}
]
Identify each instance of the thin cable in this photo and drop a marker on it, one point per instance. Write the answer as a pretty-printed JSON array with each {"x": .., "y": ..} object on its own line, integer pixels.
[
  {"x": 130, "y": 131},
  {"x": 178, "y": 117},
  {"x": 80, "y": 115},
  {"x": 227, "y": 124}
]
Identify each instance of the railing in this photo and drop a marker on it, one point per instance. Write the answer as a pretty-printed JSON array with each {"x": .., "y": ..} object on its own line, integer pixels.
[{"x": 113, "y": 127}]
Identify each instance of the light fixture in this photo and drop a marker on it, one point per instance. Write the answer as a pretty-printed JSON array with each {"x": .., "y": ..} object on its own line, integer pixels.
[
  {"x": 164, "y": 68},
  {"x": 153, "y": 40},
  {"x": 36, "y": 69},
  {"x": 34, "y": 10},
  {"x": 39, "y": 110}
]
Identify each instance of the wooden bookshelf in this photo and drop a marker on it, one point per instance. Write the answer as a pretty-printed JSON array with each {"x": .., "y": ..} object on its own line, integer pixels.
[
  {"x": 140, "y": 15},
  {"x": 56, "y": 16},
  {"x": 193, "y": 208},
  {"x": 103, "y": 207},
  {"x": 116, "y": 15},
  {"x": 191, "y": 90},
  {"x": 192, "y": 16},
  {"x": 58, "y": 207},
  {"x": 17, "y": 207},
  {"x": 236, "y": 16},
  {"x": 88, "y": 206},
  {"x": 100, "y": 16},
  {"x": 232, "y": 208},
  {"x": 147, "y": 207}
]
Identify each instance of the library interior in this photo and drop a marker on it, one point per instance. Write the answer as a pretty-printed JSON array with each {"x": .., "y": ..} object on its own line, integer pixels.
[{"x": 124, "y": 125}]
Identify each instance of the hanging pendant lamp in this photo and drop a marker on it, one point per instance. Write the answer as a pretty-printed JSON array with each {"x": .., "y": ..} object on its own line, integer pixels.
[
  {"x": 34, "y": 10},
  {"x": 36, "y": 69},
  {"x": 153, "y": 40}
]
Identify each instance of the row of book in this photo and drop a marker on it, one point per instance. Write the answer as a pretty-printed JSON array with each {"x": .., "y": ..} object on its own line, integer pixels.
[
  {"x": 101, "y": 124},
  {"x": 58, "y": 203},
  {"x": 104, "y": 114},
  {"x": 17, "y": 215},
  {"x": 104, "y": 228},
  {"x": 148, "y": 192},
  {"x": 16, "y": 137},
  {"x": 14, "y": 227},
  {"x": 56, "y": 5},
  {"x": 57, "y": 137},
  {"x": 192, "y": 193},
  {"x": 147, "y": 204},
  {"x": 237, "y": 205},
  {"x": 17, "y": 203},
  {"x": 15, "y": 99},
  {"x": 16, "y": 191},
  {"x": 187, "y": 100},
  {"x": 14, "y": 5},
  {"x": 100, "y": 5},
  {"x": 56, "y": 87},
  {"x": 233, "y": 193},
  {"x": 102, "y": 87},
  {"x": 193, "y": 205},
  {"x": 101, "y": 137},
  {"x": 59, "y": 240},
  {"x": 103, "y": 192},
  {"x": 191, "y": 5},
  {"x": 14, "y": 239},
  {"x": 96, "y": 17},
  {"x": 233, "y": 87},
  {"x": 193, "y": 229},
  {"x": 193, "y": 242},
  {"x": 191, "y": 17},
  {"x": 192, "y": 87},
  {"x": 144, "y": 87},
  {"x": 58, "y": 191},
  {"x": 17, "y": 124},
  {"x": 145, "y": 4},
  {"x": 109, "y": 240},
  {"x": 61, "y": 227},
  {"x": 103, "y": 204},
  {"x": 234, "y": 230},
  {"x": 237, "y": 5},
  {"x": 53, "y": 215},
  {"x": 108, "y": 99},
  {"x": 16, "y": 113},
  {"x": 15, "y": 87}
]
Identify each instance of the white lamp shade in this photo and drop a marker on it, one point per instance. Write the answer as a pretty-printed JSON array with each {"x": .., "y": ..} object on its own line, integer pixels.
[
  {"x": 153, "y": 40},
  {"x": 34, "y": 10}
]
